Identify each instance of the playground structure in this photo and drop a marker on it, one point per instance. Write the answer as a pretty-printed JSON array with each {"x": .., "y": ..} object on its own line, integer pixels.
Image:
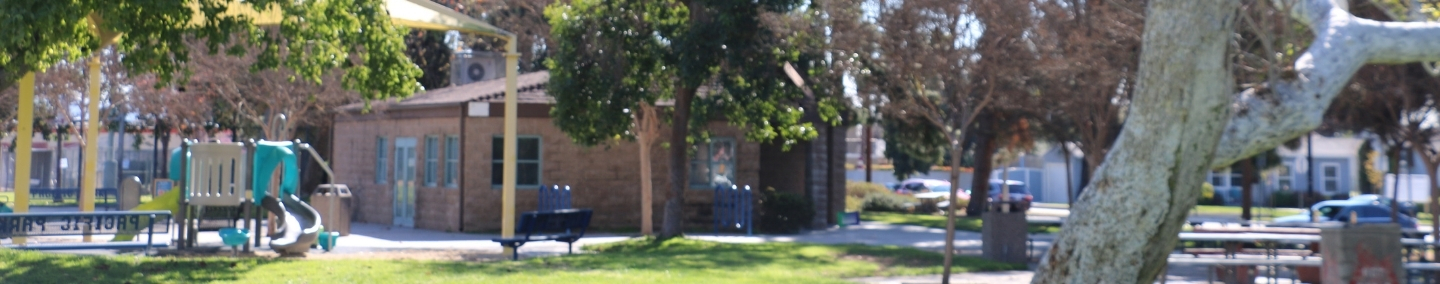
[
  {"x": 418, "y": 14},
  {"x": 239, "y": 175}
]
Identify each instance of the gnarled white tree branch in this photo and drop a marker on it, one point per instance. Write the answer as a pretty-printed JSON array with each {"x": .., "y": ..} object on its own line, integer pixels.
[{"x": 1262, "y": 118}]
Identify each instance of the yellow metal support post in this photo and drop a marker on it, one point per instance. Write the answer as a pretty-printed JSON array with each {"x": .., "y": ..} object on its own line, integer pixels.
[
  {"x": 92, "y": 145},
  {"x": 25, "y": 131},
  {"x": 92, "y": 122},
  {"x": 507, "y": 221}
]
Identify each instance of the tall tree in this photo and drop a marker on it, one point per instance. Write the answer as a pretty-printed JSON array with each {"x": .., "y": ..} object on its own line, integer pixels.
[
  {"x": 612, "y": 56},
  {"x": 1090, "y": 51},
  {"x": 942, "y": 66},
  {"x": 1181, "y": 124},
  {"x": 245, "y": 99}
]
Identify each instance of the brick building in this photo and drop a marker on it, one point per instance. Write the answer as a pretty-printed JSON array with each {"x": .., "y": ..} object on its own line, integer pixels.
[{"x": 446, "y": 143}]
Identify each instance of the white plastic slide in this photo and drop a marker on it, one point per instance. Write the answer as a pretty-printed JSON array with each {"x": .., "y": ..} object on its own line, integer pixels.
[{"x": 300, "y": 225}]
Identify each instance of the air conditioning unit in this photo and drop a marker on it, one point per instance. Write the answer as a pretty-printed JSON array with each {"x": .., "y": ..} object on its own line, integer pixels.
[{"x": 469, "y": 67}]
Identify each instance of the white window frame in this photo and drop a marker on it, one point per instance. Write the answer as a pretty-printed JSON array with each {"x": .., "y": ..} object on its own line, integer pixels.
[
  {"x": 1288, "y": 176},
  {"x": 1325, "y": 179}
]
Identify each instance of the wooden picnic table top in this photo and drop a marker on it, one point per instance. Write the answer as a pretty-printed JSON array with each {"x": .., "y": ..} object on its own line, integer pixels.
[
  {"x": 1313, "y": 262},
  {"x": 1272, "y": 237}
]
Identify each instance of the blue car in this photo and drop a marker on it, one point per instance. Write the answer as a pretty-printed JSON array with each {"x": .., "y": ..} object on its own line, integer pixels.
[{"x": 1366, "y": 212}]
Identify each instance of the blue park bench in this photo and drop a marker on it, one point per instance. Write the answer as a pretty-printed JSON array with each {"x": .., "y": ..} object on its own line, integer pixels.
[
  {"x": 82, "y": 223},
  {"x": 565, "y": 225}
]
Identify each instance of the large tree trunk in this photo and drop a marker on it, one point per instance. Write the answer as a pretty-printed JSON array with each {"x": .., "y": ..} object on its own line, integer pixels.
[
  {"x": 1249, "y": 174},
  {"x": 980, "y": 181},
  {"x": 679, "y": 164},
  {"x": 1125, "y": 224},
  {"x": 646, "y": 126}
]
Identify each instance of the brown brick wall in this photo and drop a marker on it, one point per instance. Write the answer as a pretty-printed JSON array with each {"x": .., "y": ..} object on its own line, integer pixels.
[
  {"x": 604, "y": 177},
  {"x": 437, "y": 208}
]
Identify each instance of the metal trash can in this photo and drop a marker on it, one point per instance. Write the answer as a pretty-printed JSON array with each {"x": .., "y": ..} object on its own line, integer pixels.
[
  {"x": 333, "y": 202},
  {"x": 129, "y": 196}
]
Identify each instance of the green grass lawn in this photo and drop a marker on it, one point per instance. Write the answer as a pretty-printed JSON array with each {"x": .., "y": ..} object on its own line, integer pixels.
[
  {"x": 9, "y": 199},
  {"x": 635, "y": 261},
  {"x": 937, "y": 221}
]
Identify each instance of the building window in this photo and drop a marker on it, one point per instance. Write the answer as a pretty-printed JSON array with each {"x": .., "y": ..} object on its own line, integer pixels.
[
  {"x": 381, "y": 159},
  {"x": 713, "y": 164},
  {"x": 1284, "y": 177},
  {"x": 1220, "y": 178},
  {"x": 527, "y": 161},
  {"x": 432, "y": 147},
  {"x": 1330, "y": 177},
  {"x": 452, "y": 161}
]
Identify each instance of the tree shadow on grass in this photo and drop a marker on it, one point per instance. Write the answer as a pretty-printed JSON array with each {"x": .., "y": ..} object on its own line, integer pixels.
[
  {"x": 721, "y": 259},
  {"x": 42, "y": 267}
]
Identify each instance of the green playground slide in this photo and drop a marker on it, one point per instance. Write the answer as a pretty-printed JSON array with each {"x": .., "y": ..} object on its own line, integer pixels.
[{"x": 168, "y": 201}]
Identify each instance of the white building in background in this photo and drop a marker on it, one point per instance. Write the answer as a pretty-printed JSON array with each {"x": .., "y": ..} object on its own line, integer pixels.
[{"x": 854, "y": 145}]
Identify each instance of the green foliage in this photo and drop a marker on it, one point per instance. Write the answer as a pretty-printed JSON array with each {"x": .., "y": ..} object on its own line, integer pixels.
[
  {"x": 1208, "y": 196},
  {"x": 313, "y": 38},
  {"x": 856, "y": 192},
  {"x": 784, "y": 212},
  {"x": 1371, "y": 178},
  {"x": 1207, "y": 191},
  {"x": 862, "y": 189},
  {"x": 889, "y": 203},
  {"x": 611, "y": 56},
  {"x": 1285, "y": 198},
  {"x": 913, "y": 152}
]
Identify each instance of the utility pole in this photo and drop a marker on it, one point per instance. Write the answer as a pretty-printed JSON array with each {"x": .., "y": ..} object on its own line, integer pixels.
[{"x": 1309, "y": 170}]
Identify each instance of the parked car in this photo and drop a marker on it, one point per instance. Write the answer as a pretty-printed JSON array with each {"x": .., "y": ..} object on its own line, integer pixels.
[
  {"x": 1019, "y": 198},
  {"x": 1406, "y": 207},
  {"x": 1366, "y": 212},
  {"x": 918, "y": 185},
  {"x": 943, "y": 191}
]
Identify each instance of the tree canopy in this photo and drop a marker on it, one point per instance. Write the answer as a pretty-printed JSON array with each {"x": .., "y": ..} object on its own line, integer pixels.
[
  {"x": 313, "y": 38},
  {"x": 612, "y": 55},
  {"x": 707, "y": 59}
]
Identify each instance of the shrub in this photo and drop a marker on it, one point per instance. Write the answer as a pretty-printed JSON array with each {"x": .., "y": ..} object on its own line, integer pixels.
[
  {"x": 928, "y": 206},
  {"x": 862, "y": 189},
  {"x": 888, "y": 203},
  {"x": 1285, "y": 198},
  {"x": 784, "y": 212},
  {"x": 1207, "y": 191},
  {"x": 1208, "y": 196},
  {"x": 855, "y": 193},
  {"x": 854, "y": 204}
]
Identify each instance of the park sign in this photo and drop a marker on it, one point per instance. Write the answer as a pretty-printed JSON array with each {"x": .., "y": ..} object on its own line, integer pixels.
[{"x": 76, "y": 223}]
